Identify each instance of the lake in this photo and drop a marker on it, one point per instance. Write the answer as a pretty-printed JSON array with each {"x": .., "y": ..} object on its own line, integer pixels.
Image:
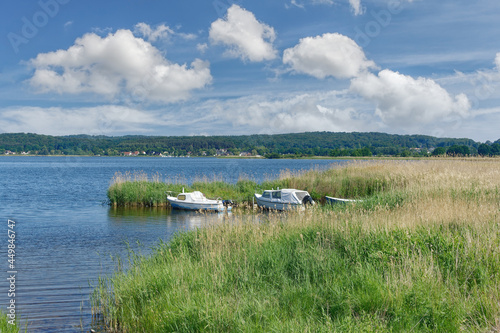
[{"x": 66, "y": 235}]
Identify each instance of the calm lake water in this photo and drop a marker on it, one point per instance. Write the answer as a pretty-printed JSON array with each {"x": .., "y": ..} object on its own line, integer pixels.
[{"x": 66, "y": 236}]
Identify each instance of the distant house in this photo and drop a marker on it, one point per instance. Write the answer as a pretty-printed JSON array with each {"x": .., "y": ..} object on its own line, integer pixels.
[
  {"x": 419, "y": 150},
  {"x": 130, "y": 153},
  {"x": 222, "y": 152}
]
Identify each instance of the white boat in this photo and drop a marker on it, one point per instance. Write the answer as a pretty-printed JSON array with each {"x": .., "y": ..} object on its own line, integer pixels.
[
  {"x": 195, "y": 201},
  {"x": 284, "y": 199},
  {"x": 332, "y": 200}
]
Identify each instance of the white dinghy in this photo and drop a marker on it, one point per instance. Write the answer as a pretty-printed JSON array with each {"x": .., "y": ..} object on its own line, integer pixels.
[{"x": 332, "y": 200}]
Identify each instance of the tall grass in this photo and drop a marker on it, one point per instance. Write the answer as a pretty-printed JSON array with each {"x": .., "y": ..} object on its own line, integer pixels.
[{"x": 422, "y": 253}]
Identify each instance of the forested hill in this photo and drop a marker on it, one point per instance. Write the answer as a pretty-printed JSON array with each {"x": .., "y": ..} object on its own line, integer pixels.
[{"x": 312, "y": 143}]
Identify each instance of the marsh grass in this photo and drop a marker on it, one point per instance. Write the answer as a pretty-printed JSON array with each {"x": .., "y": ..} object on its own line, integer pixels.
[
  {"x": 358, "y": 180},
  {"x": 420, "y": 254}
]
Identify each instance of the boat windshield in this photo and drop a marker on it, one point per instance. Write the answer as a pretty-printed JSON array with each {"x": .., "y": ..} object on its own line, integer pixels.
[
  {"x": 181, "y": 197},
  {"x": 266, "y": 194},
  {"x": 196, "y": 195},
  {"x": 300, "y": 195},
  {"x": 277, "y": 195}
]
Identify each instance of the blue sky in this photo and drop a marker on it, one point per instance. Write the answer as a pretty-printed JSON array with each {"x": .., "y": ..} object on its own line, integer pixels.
[{"x": 220, "y": 67}]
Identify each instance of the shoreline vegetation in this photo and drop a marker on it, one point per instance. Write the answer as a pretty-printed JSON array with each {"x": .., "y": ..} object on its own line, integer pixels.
[
  {"x": 292, "y": 145},
  {"x": 420, "y": 253},
  {"x": 141, "y": 190}
]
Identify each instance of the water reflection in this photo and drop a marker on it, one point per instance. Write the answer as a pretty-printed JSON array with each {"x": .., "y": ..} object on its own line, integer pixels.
[
  {"x": 170, "y": 218},
  {"x": 138, "y": 215}
]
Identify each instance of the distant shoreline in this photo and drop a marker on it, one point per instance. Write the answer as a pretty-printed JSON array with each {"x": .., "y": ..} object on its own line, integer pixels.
[{"x": 365, "y": 158}]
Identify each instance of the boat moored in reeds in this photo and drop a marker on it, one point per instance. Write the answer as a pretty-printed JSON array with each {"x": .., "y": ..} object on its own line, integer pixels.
[
  {"x": 284, "y": 199},
  {"x": 332, "y": 200},
  {"x": 195, "y": 201}
]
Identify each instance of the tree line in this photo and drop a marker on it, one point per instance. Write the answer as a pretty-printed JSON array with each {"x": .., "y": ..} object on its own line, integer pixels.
[{"x": 271, "y": 146}]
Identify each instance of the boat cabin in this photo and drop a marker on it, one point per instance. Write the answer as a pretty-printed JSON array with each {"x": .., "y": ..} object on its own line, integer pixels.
[
  {"x": 191, "y": 197},
  {"x": 285, "y": 195}
]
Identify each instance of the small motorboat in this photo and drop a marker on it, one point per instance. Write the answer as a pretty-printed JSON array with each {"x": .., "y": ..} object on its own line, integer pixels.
[
  {"x": 195, "y": 201},
  {"x": 284, "y": 199},
  {"x": 332, "y": 200}
]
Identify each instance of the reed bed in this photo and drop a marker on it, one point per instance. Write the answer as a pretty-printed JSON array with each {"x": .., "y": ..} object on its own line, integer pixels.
[
  {"x": 420, "y": 253},
  {"x": 358, "y": 180}
]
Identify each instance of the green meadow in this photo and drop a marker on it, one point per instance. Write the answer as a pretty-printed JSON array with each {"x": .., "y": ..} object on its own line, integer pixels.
[{"x": 420, "y": 253}]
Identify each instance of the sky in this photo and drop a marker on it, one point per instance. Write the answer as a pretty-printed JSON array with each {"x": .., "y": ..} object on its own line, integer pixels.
[{"x": 233, "y": 67}]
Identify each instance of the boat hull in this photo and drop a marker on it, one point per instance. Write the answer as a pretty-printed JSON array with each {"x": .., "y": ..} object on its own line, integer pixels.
[
  {"x": 332, "y": 200},
  {"x": 210, "y": 206}
]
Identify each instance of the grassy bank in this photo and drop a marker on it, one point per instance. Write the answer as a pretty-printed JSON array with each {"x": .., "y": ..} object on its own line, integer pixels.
[
  {"x": 422, "y": 253},
  {"x": 360, "y": 179}
]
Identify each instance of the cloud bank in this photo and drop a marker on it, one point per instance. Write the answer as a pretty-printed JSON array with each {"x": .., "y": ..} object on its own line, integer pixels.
[
  {"x": 293, "y": 112},
  {"x": 245, "y": 37},
  {"x": 100, "y": 120},
  {"x": 118, "y": 64}
]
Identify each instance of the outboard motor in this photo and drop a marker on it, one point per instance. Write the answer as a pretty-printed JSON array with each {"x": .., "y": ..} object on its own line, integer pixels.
[
  {"x": 228, "y": 204},
  {"x": 307, "y": 200}
]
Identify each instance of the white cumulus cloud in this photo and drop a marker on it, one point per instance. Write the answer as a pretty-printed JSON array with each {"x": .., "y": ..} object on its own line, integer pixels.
[
  {"x": 118, "y": 64},
  {"x": 244, "y": 35},
  {"x": 331, "y": 54},
  {"x": 407, "y": 102}
]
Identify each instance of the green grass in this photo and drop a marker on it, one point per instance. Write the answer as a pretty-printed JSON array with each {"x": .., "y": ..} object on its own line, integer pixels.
[
  {"x": 313, "y": 279},
  {"x": 421, "y": 255},
  {"x": 5, "y": 327}
]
